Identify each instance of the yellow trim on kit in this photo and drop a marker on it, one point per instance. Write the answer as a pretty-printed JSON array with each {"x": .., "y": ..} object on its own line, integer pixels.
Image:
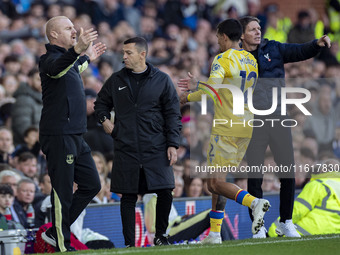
[
  {"x": 58, "y": 220},
  {"x": 247, "y": 200},
  {"x": 63, "y": 72},
  {"x": 83, "y": 67},
  {"x": 215, "y": 225}
]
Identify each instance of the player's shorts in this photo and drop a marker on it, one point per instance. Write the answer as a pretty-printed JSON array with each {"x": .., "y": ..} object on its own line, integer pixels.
[{"x": 226, "y": 151}]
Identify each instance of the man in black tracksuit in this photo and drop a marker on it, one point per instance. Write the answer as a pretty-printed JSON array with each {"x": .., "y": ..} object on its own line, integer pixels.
[
  {"x": 271, "y": 57},
  {"x": 62, "y": 124},
  {"x": 146, "y": 133}
]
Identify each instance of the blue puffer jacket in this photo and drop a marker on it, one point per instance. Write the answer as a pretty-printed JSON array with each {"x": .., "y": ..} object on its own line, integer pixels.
[{"x": 271, "y": 58}]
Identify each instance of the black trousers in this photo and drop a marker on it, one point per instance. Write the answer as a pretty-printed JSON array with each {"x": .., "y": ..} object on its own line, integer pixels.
[
  {"x": 279, "y": 139},
  {"x": 69, "y": 160},
  {"x": 127, "y": 210}
]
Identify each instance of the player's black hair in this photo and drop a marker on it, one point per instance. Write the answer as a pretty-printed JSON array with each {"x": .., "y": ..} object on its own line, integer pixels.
[
  {"x": 246, "y": 20},
  {"x": 232, "y": 28},
  {"x": 141, "y": 43}
]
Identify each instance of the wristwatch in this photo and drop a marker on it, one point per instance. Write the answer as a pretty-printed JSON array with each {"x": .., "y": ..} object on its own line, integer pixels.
[{"x": 102, "y": 119}]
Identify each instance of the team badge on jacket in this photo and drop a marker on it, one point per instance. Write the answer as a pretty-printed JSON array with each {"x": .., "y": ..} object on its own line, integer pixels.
[
  {"x": 267, "y": 57},
  {"x": 69, "y": 159}
]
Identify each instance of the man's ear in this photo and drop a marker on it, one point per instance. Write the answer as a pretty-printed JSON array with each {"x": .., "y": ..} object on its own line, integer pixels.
[
  {"x": 143, "y": 54},
  {"x": 54, "y": 34},
  {"x": 242, "y": 37}
]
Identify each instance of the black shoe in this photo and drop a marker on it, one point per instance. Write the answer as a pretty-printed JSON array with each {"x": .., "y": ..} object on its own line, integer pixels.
[
  {"x": 161, "y": 240},
  {"x": 70, "y": 249},
  {"x": 48, "y": 237}
]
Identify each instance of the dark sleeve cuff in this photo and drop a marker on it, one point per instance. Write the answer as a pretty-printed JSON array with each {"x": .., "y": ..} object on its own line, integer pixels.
[
  {"x": 87, "y": 58},
  {"x": 315, "y": 44},
  {"x": 173, "y": 145}
]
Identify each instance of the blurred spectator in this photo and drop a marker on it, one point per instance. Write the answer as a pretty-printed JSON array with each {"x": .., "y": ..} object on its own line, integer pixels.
[
  {"x": 322, "y": 121},
  {"x": 92, "y": 83},
  {"x": 109, "y": 162},
  {"x": 10, "y": 83},
  {"x": 108, "y": 11},
  {"x": 18, "y": 47},
  {"x": 23, "y": 200},
  {"x": 27, "y": 165},
  {"x": 45, "y": 184},
  {"x": 148, "y": 27},
  {"x": 8, "y": 8},
  {"x": 53, "y": 10},
  {"x": 333, "y": 11},
  {"x": 131, "y": 14},
  {"x": 232, "y": 13},
  {"x": 101, "y": 197},
  {"x": 9, "y": 33},
  {"x": 42, "y": 214},
  {"x": 31, "y": 140},
  {"x": 27, "y": 63},
  {"x": 277, "y": 27},
  {"x": 6, "y": 198},
  {"x": 307, "y": 156},
  {"x": 69, "y": 11},
  {"x": 12, "y": 65},
  {"x": 105, "y": 69},
  {"x": 303, "y": 30},
  {"x": 205, "y": 11},
  {"x": 312, "y": 144},
  {"x": 189, "y": 170},
  {"x": 316, "y": 207},
  {"x": 254, "y": 9},
  {"x": 270, "y": 182},
  {"x": 336, "y": 141},
  {"x": 178, "y": 9},
  {"x": 178, "y": 169},
  {"x": 179, "y": 186},
  {"x": 10, "y": 178},
  {"x": 26, "y": 110},
  {"x": 320, "y": 23},
  {"x": 95, "y": 136},
  {"x": 32, "y": 145},
  {"x": 100, "y": 162},
  {"x": 6, "y": 145},
  {"x": 195, "y": 188}
]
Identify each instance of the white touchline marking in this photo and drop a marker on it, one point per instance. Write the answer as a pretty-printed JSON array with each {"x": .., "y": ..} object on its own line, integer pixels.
[{"x": 199, "y": 246}]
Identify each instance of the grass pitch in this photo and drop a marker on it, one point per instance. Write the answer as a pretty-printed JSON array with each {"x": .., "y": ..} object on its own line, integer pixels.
[{"x": 322, "y": 244}]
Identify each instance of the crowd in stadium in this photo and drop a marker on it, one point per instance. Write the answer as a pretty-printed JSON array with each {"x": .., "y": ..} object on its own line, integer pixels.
[{"x": 181, "y": 38}]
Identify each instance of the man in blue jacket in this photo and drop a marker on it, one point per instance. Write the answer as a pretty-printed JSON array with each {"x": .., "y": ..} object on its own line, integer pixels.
[
  {"x": 63, "y": 122},
  {"x": 271, "y": 57}
]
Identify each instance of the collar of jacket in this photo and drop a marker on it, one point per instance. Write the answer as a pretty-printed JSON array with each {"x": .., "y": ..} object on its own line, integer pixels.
[
  {"x": 52, "y": 47},
  {"x": 263, "y": 43},
  {"x": 325, "y": 175},
  {"x": 123, "y": 74}
]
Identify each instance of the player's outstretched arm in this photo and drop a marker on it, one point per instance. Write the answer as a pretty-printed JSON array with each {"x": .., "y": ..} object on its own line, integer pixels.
[
  {"x": 189, "y": 83},
  {"x": 94, "y": 51},
  {"x": 324, "y": 41}
]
